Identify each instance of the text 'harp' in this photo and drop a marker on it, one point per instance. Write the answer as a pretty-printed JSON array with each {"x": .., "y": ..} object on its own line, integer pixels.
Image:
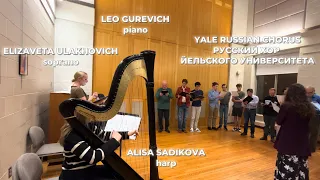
[{"x": 132, "y": 66}]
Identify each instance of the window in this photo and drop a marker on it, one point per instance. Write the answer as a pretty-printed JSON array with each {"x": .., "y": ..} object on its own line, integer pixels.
[
  {"x": 278, "y": 81},
  {"x": 285, "y": 80},
  {"x": 264, "y": 83}
]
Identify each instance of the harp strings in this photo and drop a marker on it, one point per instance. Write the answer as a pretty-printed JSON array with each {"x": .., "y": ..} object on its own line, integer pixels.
[{"x": 136, "y": 101}]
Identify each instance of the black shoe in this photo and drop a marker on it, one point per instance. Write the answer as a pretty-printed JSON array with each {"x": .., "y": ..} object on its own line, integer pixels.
[
  {"x": 252, "y": 135},
  {"x": 243, "y": 134},
  {"x": 209, "y": 128},
  {"x": 264, "y": 138},
  {"x": 225, "y": 128},
  {"x": 219, "y": 127},
  {"x": 184, "y": 131},
  {"x": 273, "y": 140},
  {"x": 214, "y": 128},
  {"x": 168, "y": 131},
  {"x": 160, "y": 130}
]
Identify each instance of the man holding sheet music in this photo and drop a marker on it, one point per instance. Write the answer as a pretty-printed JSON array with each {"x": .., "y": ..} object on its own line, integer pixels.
[
  {"x": 183, "y": 102},
  {"x": 163, "y": 95},
  {"x": 196, "y": 98},
  {"x": 250, "y": 103},
  {"x": 270, "y": 111},
  {"x": 214, "y": 97},
  {"x": 224, "y": 107},
  {"x": 314, "y": 123},
  {"x": 237, "y": 108}
]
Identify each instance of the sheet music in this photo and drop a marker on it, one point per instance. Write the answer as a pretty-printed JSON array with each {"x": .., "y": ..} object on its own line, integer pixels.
[
  {"x": 317, "y": 105},
  {"x": 123, "y": 123},
  {"x": 235, "y": 93},
  {"x": 277, "y": 128},
  {"x": 222, "y": 94},
  {"x": 280, "y": 98},
  {"x": 267, "y": 102},
  {"x": 275, "y": 107}
]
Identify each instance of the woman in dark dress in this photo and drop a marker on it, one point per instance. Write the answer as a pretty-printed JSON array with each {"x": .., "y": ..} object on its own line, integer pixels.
[{"x": 292, "y": 140}]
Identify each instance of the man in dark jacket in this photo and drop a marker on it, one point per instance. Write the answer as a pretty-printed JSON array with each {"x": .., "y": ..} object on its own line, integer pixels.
[{"x": 270, "y": 115}]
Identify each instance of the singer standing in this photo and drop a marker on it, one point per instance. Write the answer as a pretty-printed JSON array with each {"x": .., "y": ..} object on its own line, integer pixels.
[
  {"x": 164, "y": 95},
  {"x": 314, "y": 124},
  {"x": 270, "y": 115},
  {"x": 183, "y": 102},
  {"x": 292, "y": 141}
]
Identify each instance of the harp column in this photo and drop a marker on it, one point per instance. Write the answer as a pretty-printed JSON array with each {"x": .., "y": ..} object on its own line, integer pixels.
[{"x": 149, "y": 57}]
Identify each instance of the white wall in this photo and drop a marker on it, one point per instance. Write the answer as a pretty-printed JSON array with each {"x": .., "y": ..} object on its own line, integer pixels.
[
  {"x": 24, "y": 100},
  {"x": 239, "y": 28},
  {"x": 74, "y": 28},
  {"x": 309, "y": 75},
  {"x": 274, "y": 17},
  {"x": 309, "y": 47}
]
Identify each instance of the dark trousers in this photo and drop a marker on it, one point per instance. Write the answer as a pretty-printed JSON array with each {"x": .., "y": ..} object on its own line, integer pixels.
[
  {"x": 249, "y": 114},
  {"x": 182, "y": 116},
  {"x": 163, "y": 113},
  {"x": 223, "y": 114},
  {"x": 314, "y": 125},
  {"x": 269, "y": 123}
]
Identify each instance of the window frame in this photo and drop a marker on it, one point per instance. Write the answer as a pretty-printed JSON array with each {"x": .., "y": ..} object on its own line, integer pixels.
[{"x": 276, "y": 76}]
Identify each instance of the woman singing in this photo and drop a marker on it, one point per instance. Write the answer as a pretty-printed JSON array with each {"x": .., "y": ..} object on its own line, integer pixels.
[{"x": 292, "y": 141}]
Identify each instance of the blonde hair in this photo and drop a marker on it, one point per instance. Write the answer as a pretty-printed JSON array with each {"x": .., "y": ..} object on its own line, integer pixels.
[{"x": 78, "y": 75}]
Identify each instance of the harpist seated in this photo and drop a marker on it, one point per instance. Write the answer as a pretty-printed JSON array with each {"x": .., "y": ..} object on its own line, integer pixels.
[{"x": 80, "y": 162}]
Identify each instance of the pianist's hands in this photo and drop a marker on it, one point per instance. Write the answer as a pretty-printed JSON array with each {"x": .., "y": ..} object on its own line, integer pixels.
[
  {"x": 134, "y": 132},
  {"x": 95, "y": 95},
  {"x": 116, "y": 135}
]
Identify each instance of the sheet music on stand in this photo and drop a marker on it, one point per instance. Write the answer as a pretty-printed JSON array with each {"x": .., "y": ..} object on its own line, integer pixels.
[{"x": 122, "y": 123}]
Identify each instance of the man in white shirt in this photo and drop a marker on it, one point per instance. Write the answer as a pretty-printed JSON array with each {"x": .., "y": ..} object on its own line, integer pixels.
[{"x": 250, "y": 112}]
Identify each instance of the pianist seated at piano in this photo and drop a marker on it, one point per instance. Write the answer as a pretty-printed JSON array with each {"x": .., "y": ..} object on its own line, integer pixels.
[
  {"x": 80, "y": 160},
  {"x": 81, "y": 79}
]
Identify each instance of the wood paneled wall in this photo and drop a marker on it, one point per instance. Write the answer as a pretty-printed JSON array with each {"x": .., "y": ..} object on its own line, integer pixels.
[{"x": 188, "y": 18}]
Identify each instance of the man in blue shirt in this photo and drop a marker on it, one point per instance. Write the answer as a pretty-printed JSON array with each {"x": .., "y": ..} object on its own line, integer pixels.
[
  {"x": 197, "y": 97},
  {"x": 315, "y": 121},
  {"x": 214, "y": 97}
]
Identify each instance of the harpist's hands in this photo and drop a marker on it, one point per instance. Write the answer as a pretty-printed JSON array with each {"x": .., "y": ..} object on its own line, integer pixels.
[
  {"x": 95, "y": 94},
  {"x": 135, "y": 132},
  {"x": 116, "y": 135}
]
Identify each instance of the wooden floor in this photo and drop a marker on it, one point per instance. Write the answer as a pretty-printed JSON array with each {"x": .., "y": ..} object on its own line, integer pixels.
[{"x": 229, "y": 156}]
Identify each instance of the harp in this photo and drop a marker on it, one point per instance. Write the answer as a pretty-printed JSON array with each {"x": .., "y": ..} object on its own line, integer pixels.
[{"x": 135, "y": 65}]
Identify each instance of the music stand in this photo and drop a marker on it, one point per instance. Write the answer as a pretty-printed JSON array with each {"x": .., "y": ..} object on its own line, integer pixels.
[{"x": 116, "y": 124}]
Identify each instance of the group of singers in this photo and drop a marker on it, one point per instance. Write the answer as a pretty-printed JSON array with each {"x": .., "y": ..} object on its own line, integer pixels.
[
  {"x": 297, "y": 116},
  {"x": 218, "y": 106}
]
